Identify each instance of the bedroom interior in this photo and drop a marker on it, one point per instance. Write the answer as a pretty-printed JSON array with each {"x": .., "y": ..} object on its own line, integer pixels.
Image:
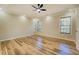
[{"x": 39, "y": 29}]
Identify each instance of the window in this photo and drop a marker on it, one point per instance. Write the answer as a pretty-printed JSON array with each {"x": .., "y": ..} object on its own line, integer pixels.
[
  {"x": 37, "y": 25},
  {"x": 65, "y": 25}
]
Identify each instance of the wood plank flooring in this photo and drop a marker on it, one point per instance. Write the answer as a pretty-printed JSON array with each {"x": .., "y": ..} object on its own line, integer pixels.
[{"x": 36, "y": 45}]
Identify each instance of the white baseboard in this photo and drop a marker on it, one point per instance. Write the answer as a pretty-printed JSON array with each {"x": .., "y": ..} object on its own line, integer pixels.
[
  {"x": 19, "y": 36},
  {"x": 57, "y": 37}
]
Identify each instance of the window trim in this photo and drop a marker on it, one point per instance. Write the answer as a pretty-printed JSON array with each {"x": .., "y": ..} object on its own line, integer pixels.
[{"x": 70, "y": 25}]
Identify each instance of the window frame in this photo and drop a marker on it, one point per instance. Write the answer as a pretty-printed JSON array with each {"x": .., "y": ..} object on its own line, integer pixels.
[{"x": 70, "y": 26}]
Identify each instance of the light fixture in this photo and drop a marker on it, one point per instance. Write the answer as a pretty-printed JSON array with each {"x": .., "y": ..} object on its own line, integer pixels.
[{"x": 38, "y": 10}]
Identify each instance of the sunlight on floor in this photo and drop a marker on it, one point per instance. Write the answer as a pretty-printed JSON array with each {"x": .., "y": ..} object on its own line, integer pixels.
[
  {"x": 39, "y": 42},
  {"x": 64, "y": 49}
]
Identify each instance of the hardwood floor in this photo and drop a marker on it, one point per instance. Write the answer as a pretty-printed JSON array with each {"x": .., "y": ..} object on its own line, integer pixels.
[{"x": 37, "y": 45}]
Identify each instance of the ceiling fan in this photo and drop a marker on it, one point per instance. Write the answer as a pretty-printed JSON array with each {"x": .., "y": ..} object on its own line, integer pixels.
[{"x": 39, "y": 8}]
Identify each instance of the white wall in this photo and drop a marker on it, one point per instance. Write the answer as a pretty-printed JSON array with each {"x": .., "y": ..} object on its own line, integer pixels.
[
  {"x": 77, "y": 29},
  {"x": 15, "y": 26}
]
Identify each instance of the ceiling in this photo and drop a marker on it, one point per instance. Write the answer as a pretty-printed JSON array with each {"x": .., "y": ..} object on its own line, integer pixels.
[{"x": 27, "y": 9}]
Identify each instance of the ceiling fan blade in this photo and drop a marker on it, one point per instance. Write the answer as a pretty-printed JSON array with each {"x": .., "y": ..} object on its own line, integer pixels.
[
  {"x": 41, "y": 5},
  {"x": 34, "y": 6},
  {"x": 38, "y": 4},
  {"x": 43, "y": 9}
]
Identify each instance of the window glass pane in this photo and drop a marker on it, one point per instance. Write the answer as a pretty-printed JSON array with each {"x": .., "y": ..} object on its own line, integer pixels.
[{"x": 65, "y": 24}]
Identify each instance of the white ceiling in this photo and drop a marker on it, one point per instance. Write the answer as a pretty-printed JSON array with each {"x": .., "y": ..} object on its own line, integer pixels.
[{"x": 27, "y": 9}]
